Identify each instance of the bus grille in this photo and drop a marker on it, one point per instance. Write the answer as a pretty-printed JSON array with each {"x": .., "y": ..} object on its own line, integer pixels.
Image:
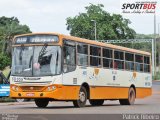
[{"x": 32, "y": 88}]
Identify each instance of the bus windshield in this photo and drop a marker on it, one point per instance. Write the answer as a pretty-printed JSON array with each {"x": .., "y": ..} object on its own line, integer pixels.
[{"x": 36, "y": 60}]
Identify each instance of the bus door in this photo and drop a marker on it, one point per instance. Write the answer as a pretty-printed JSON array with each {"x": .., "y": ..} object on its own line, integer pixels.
[
  {"x": 70, "y": 75},
  {"x": 69, "y": 63}
]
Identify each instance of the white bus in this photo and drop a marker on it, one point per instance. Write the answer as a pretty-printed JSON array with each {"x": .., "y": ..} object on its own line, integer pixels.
[{"x": 55, "y": 67}]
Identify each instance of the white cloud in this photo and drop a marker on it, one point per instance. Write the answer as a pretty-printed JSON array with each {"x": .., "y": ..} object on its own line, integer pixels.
[{"x": 50, "y": 15}]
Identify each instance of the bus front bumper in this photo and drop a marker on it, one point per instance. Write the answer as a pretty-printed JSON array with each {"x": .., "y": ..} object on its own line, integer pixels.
[{"x": 59, "y": 93}]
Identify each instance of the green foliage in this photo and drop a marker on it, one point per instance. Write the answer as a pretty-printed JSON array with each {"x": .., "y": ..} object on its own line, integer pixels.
[
  {"x": 6, "y": 99},
  {"x": 4, "y": 61},
  {"x": 144, "y": 36},
  {"x": 157, "y": 76},
  {"x": 108, "y": 26},
  {"x": 9, "y": 27}
]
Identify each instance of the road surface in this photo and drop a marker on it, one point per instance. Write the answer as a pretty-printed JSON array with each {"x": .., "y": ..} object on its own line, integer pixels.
[{"x": 148, "y": 105}]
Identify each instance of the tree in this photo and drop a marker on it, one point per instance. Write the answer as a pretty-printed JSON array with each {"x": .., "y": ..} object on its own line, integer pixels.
[
  {"x": 9, "y": 27},
  {"x": 108, "y": 26}
]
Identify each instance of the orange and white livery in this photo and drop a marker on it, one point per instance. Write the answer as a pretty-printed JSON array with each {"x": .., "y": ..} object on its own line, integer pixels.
[{"x": 50, "y": 66}]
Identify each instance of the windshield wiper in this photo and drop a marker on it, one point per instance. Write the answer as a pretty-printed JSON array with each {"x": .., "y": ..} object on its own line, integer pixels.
[
  {"x": 20, "y": 54},
  {"x": 42, "y": 52}
]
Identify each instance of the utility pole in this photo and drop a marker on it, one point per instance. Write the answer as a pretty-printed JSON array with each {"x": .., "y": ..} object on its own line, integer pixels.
[
  {"x": 153, "y": 65},
  {"x": 158, "y": 45},
  {"x": 155, "y": 44},
  {"x": 95, "y": 29},
  {"x": 158, "y": 30}
]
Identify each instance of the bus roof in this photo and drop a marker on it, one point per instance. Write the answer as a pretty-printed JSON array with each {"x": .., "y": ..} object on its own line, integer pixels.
[{"x": 72, "y": 38}]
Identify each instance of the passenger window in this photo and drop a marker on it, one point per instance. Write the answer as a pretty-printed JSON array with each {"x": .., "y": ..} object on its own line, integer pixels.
[
  {"x": 139, "y": 63},
  {"x": 107, "y": 58},
  {"x": 95, "y": 56},
  {"x": 129, "y": 61},
  {"x": 82, "y": 54},
  {"x": 118, "y": 60},
  {"x": 146, "y": 64},
  {"x": 69, "y": 54}
]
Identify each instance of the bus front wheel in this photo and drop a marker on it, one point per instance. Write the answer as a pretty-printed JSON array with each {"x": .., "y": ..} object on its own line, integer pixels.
[
  {"x": 41, "y": 103},
  {"x": 81, "y": 102},
  {"x": 131, "y": 98},
  {"x": 96, "y": 102}
]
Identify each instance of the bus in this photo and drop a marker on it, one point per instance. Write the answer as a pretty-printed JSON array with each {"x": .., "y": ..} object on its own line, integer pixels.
[{"x": 55, "y": 67}]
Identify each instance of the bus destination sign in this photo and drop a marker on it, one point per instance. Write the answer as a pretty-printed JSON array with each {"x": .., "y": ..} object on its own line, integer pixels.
[{"x": 36, "y": 39}]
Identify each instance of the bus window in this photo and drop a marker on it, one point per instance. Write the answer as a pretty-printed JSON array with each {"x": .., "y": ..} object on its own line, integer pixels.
[
  {"x": 69, "y": 52},
  {"x": 82, "y": 54},
  {"x": 95, "y": 56},
  {"x": 118, "y": 60},
  {"x": 139, "y": 63},
  {"x": 107, "y": 58},
  {"x": 129, "y": 61},
  {"x": 47, "y": 60},
  {"x": 146, "y": 64}
]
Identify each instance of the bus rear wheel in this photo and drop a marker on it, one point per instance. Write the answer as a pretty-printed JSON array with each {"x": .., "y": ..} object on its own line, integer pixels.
[
  {"x": 131, "y": 98},
  {"x": 81, "y": 102},
  {"x": 41, "y": 103},
  {"x": 96, "y": 102}
]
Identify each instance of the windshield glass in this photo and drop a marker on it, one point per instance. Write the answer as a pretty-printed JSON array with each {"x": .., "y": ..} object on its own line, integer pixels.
[{"x": 36, "y": 60}]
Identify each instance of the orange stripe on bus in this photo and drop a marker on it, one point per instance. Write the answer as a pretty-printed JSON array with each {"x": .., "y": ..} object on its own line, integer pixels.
[{"x": 71, "y": 93}]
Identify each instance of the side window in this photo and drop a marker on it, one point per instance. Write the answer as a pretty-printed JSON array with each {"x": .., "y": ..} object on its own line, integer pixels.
[
  {"x": 146, "y": 64},
  {"x": 107, "y": 58},
  {"x": 139, "y": 63},
  {"x": 129, "y": 61},
  {"x": 69, "y": 55},
  {"x": 82, "y": 54},
  {"x": 95, "y": 56},
  {"x": 118, "y": 60}
]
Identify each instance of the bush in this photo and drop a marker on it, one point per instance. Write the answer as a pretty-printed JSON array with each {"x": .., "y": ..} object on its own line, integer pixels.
[
  {"x": 6, "y": 99},
  {"x": 4, "y": 61},
  {"x": 157, "y": 77}
]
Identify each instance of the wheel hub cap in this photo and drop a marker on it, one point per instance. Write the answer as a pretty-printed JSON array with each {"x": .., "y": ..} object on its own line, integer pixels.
[{"x": 82, "y": 96}]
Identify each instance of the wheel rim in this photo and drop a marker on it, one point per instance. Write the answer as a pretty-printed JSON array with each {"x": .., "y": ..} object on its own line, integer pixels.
[{"x": 82, "y": 96}]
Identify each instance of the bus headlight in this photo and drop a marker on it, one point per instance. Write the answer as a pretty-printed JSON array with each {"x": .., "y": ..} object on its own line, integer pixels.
[
  {"x": 53, "y": 87},
  {"x": 50, "y": 88},
  {"x": 15, "y": 88}
]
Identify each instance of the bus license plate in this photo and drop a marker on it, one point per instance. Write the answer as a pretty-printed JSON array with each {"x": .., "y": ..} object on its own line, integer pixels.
[{"x": 30, "y": 94}]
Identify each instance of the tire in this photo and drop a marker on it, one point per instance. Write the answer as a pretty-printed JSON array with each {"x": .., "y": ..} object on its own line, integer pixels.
[
  {"x": 131, "y": 98},
  {"x": 96, "y": 102},
  {"x": 81, "y": 102},
  {"x": 41, "y": 103}
]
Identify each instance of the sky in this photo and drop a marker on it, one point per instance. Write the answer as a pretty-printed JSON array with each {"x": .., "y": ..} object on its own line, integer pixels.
[{"x": 50, "y": 15}]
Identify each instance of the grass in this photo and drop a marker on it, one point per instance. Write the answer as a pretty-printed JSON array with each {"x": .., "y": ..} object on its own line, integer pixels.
[{"x": 6, "y": 99}]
